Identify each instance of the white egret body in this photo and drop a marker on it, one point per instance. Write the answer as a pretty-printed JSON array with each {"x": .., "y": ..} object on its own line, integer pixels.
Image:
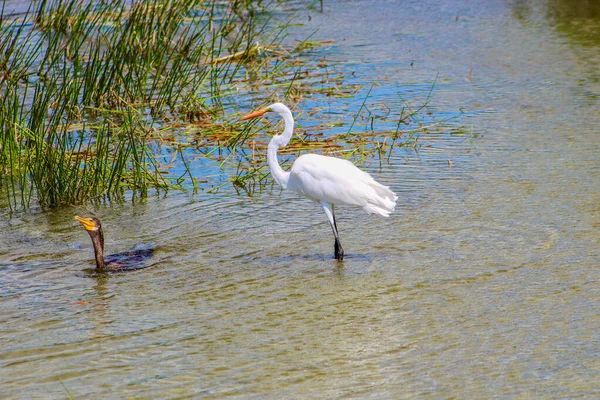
[{"x": 326, "y": 180}]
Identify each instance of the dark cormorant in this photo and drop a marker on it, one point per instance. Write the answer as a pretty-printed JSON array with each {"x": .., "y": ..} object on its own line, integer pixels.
[{"x": 126, "y": 261}]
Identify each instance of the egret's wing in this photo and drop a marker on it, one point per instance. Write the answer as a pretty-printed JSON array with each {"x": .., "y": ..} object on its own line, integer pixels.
[{"x": 338, "y": 181}]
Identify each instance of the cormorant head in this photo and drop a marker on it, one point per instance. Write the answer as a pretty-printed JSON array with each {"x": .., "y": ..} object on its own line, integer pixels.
[{"x": 91, "y": 224}]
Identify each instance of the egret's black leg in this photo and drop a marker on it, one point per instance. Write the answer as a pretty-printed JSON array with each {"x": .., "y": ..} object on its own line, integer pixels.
[{"x": 338, "y": 250}]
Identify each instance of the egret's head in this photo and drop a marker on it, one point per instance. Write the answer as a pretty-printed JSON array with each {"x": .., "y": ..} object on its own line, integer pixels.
[
  {"x": 91, "y": 224},
  {"x": 277, "y": 108}
]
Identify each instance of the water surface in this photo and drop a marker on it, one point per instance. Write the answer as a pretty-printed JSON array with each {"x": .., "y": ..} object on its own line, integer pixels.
[{"x": 483, "y": 283}]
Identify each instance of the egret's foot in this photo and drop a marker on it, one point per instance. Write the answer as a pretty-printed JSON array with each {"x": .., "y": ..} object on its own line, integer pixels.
[{"x": 339, "y": 252}]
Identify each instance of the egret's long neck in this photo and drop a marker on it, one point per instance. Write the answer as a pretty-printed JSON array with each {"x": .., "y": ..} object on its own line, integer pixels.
[{"x": 282, "y": 177}]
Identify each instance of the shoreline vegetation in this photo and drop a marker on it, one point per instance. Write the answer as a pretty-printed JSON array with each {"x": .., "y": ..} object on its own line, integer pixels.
[{"x": 95, "y": 95}]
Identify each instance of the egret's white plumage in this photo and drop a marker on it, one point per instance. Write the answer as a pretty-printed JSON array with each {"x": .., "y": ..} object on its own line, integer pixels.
[
  {"x": 338, "y": 181},
  {"x": 326, "y": 180}
]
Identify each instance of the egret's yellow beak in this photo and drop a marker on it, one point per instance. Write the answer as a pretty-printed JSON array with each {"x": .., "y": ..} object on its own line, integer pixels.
[
  {"x": 87, "y": 223},
  {"x": 255, "y": 114}
]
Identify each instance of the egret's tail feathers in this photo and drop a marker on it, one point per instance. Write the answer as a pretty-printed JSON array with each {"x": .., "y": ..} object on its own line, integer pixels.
[
  {"x": 372, "y": 209},
  {"x": 382, "y": 201}
]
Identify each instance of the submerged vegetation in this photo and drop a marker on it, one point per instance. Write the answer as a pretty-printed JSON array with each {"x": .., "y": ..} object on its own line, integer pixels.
[
  {"x": 99, "y": 98},
  {"x": 86, "y": 86}
]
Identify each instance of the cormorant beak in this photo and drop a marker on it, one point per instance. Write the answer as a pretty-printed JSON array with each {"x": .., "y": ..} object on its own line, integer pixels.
[
  {"x": 255, "y": 114},
  {"x": 87, "y": 223}
]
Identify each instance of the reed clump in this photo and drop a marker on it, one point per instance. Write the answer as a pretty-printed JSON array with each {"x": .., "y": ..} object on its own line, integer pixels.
[
  {"x": 86, "y": 88},
  {"x": 101, "y": 98}
]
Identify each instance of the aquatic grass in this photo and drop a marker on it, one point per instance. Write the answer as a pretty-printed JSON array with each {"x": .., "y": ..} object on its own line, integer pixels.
[
  {"x": 95, "y": 91},
  {"x": 86, "y": 84},
  {"x": 71, "y": 396}
]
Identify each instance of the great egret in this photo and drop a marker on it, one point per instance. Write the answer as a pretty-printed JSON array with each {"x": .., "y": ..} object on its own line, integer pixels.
[
  {"x": 130, "y": 260},
  {"x": 325, "y": 180}
]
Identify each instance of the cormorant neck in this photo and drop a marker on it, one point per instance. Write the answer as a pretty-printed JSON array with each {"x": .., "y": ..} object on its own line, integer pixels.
[{"x": 98, "y": 242}]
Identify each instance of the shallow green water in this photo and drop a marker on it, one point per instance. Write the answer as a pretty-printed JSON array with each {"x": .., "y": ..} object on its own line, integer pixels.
[{"x": 483, "y": 283}]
